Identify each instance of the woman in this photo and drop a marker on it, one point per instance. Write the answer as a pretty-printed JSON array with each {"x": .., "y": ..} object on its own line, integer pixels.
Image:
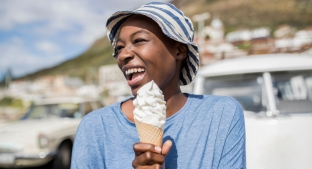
[{"x": 200, "y": 132}]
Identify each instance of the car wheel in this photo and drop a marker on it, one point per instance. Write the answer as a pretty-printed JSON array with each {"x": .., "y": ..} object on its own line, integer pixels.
[{"x": 63, "y": 157}]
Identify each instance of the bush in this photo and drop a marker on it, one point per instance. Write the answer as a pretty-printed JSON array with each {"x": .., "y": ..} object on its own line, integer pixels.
[{"x": 11, "y": 102}]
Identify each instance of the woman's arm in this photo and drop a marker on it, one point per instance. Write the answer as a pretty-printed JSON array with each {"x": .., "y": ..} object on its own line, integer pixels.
[
  {"x": 234, "y": 154},
  {"x": 87, "y": 151}
]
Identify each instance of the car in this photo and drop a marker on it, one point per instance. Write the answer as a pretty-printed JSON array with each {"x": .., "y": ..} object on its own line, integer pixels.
[
  {"x": 275, "y": 92},
  {"x": 45, "y": 134}
]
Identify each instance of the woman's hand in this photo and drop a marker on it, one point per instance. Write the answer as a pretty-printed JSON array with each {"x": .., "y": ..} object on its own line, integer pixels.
[{"x": 148, "y": 156}]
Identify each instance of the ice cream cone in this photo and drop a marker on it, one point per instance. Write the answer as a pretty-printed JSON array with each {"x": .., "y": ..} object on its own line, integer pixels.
[{"x": 149, "y": 133}]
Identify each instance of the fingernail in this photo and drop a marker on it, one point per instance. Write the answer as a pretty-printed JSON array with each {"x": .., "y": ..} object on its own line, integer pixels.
[{"x": 157, "y": 149}]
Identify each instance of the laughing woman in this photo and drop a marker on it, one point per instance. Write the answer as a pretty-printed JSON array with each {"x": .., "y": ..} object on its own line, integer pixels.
[{"x": 200, "y": 131}]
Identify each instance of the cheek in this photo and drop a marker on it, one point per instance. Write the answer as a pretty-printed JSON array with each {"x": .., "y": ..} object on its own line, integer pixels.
[
  {"x": 166, "y": 67},
  {"x": 165, "y": 60},
  {"x": 157, "y": 57},
  {"x": 119, "y": 64}
]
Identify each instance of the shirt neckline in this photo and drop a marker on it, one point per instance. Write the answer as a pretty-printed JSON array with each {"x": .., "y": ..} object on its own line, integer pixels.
[
  {"x": 179, "y": 113},
  {"x": 169, "y": 120}
]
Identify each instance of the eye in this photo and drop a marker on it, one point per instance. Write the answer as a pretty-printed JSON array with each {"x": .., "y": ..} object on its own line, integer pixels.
[
  {"x": 139, "y": 40},
  {"x": 118, "y": 49}
]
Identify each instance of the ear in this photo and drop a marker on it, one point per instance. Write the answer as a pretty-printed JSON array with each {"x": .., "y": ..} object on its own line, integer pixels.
[{"x": 181, "y": 51}]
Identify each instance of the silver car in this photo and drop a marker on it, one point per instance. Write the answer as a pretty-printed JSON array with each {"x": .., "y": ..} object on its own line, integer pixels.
[
  {"x": 45, "y": 133},
  {"x": 275, "y": 91}
]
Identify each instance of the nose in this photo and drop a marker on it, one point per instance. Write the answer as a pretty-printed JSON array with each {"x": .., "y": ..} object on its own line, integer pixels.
[{"x": 125, "y": 55}]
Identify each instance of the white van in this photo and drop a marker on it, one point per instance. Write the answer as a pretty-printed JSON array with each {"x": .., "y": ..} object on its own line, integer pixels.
[{"x": 275, "y": 91}]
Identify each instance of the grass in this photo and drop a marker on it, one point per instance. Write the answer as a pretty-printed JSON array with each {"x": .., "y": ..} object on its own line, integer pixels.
[{"x": 11, "y": 102}]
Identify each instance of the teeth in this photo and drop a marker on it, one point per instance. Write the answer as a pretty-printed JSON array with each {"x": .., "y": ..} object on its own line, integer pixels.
[{"x": 134, "y": 70}]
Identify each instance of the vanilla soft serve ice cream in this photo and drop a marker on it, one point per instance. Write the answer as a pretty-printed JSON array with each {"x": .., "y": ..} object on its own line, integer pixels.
[{"x": 150, "y": 106}]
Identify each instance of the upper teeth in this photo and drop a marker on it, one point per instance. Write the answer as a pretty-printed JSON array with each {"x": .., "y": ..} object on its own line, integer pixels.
[{"x": 134, "y": 70}]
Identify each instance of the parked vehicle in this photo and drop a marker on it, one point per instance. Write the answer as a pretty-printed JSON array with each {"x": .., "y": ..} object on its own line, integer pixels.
[
  {"x": 275, "y": 91},
  {"x": 46, "y": 132}
]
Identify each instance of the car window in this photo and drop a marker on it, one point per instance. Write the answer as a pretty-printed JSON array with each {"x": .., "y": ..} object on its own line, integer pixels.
[
  {"x": 293, "y": 91},
  {"x": 38, "y": 112},
  {"x": 69, "y": 110},
  {"x": 247, "y": 89}
]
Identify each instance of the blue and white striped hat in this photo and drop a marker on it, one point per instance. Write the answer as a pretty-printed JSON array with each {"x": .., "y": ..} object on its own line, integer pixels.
[{"x": 172, "y": 22}]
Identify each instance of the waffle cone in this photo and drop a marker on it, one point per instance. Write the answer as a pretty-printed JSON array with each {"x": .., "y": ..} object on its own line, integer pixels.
[{"x": 149, "y": 134}]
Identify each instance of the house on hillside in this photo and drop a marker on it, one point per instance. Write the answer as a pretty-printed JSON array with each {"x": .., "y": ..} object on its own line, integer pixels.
[
  {"x": 254, "y": 41},
  {"x": 284, "y": 31},
  {"x": 64, "y": 85},
  {"x": 298, "y": 42},
  {"x": 48, "y": 86},
  {"x": 215, "y": 46}
]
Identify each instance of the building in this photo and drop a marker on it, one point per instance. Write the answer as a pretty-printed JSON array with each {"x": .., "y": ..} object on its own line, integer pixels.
[
  {"x": 215, "y": 46},
  {"x": 112, "y": 83}
]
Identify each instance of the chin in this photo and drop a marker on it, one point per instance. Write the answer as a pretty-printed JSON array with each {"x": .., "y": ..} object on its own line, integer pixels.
[{"x": 134, "y": 92}]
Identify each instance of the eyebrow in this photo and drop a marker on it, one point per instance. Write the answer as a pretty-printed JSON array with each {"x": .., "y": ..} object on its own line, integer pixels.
[
  {"x": 138, "y": 32},
  {"x": 135, "y": 33}
]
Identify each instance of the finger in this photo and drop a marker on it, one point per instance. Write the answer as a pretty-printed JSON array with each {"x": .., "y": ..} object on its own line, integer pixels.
[
  {"x": 166, "y": 147},
  {"x": 155, "y": 166},
  {"x": 140, "y": 148},
  {"x": 148, "y": 158}
]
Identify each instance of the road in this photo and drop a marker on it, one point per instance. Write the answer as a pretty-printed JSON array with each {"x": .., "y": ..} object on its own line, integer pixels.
[{"x": 47, "y": 166}]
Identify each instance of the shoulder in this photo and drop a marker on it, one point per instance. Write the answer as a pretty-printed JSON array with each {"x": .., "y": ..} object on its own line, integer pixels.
[
  {"x": 214, "y": 101},
  {"x": 228, "y": 106},
  {"x": 225, "y": 102},
  {"x": 223, "y": 106}
]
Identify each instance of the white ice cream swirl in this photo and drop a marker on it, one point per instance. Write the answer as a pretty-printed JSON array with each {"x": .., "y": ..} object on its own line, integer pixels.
[{"x": 150, "y": 106}]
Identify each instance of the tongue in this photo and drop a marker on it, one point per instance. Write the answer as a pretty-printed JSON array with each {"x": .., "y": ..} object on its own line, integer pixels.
[{"x": 136, "y": 77}]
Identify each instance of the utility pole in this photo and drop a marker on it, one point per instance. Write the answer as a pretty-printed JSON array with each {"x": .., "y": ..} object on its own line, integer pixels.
[
  {"x": 8, "y": 78},
  {"x": 200, "y": 19}
]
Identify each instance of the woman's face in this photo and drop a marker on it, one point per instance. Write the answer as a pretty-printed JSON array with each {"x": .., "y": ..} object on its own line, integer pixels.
[{"x": 145, "y": 54}]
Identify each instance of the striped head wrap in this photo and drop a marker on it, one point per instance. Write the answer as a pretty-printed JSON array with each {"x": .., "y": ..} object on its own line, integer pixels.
[{"x": 173, "y": 24}]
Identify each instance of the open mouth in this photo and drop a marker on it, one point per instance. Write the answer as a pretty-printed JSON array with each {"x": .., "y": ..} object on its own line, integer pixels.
[{"x": 135, "y": 74}]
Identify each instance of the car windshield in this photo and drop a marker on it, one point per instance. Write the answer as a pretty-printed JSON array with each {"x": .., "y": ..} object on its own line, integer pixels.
[
  {"x": 293, "y": 91},
  {"x": 247, "y": 89},
  {"x": 69, "y": 110}
]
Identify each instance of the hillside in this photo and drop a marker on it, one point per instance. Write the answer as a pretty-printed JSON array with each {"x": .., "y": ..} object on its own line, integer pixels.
[
  {"x": 235, "y": 14},
  {"x": 100, "y": 53}
]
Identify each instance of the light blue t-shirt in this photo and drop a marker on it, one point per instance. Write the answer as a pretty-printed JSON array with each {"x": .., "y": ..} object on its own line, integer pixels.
[{"x": 208, "y": 132}]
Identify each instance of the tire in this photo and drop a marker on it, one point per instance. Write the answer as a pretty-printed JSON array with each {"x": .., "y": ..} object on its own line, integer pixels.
[{"x": 63, "y": 157}]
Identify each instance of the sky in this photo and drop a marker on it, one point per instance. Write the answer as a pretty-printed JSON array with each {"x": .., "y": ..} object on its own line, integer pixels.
[{"x": 36, "y": 34}]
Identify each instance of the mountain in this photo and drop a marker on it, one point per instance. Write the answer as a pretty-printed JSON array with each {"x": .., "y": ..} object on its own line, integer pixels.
[
  {"x": 99, "y": 53},
  {"x": 235, "y": 14}
]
